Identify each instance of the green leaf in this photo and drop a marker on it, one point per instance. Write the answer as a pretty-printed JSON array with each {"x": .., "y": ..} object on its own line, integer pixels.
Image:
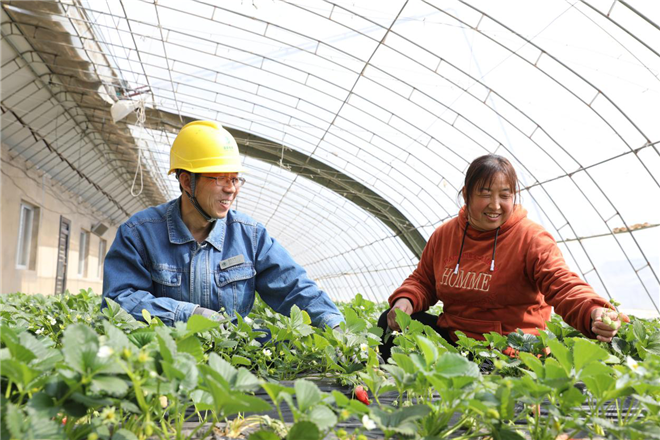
[
  {"x": 596, "y": 368},
  {"x": 125, "y": 434},
  {"x": 19, "y": 372},
  {"x": 31, "y": 426},
  {"x": 13, "y": 419},
  {"x": 115, "y": 338},
  {"x": 638, "y": 330},
  {"x": 354, "y": 323},
  {"x": 146, "y": 316},
  {"x": 429, "y": 349},
  {"x": 17, "y": 350},
  {"x": 109, "y": 384},
  {"x": 192, "y": 346},
  {"x": 507, "y": 434},
  {"x": 340, "y": 399},
  {"x": 402, "y": 318},
  {"x": 323, "y": 417},
  {"x": 554, "y": 371},
  {"x": 274, "y": 390},
  {"x": 199, "y": 324},
  {"x": 188, "y": 365},
  {"x": 237, "y": 359},
  {"x": 400, "y": 420},
  {"x": 80, "y": 345},
  {"x": 306, "y": 319},
  {"x": 307, "y": 394},
  {"x": 89, "y": 402},
  {"x": 171, "y": 372},
  {"x": 533, "y": 363},
  {"x": 405, "y": 363},
  {"x": 585, "y": 351},
  {"x": 166, "y": 343},
  {"x": 397, "y": 373},
  {"x": 653, "y": 343},
  {"x": 296, "y": 317},
  {"x": 304, "y": 431},
  {"x": 263, "y": 435},
  {"x": 562, "y": 354},
  {"x": 44, "y": 404},
  {"x": 221, "y": 367},
  {"x": 452, "y": 364},
  {"x": 226, "y": 404},
  {"x": 620, "y": 346},
  {"x": 142, "y": 337},
  {"x": 570, "y": 399},
  {"x": 35, "y": 346}
]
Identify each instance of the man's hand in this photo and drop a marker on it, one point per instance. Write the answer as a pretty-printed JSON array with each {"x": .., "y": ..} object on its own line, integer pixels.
[
  {"x": 605, "y": 323},
  {"x": 403, "y": 304}
]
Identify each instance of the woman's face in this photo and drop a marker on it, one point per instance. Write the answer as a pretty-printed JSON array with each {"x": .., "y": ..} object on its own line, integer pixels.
[{"x": 490, "y": 207}]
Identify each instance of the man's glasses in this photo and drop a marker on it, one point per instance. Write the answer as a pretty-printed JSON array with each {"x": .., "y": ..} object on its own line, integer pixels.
[{"x": 224, "y": 181}]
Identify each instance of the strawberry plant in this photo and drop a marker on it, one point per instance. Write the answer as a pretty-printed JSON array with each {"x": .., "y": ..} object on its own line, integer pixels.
[{"x": 72, "y": 371}]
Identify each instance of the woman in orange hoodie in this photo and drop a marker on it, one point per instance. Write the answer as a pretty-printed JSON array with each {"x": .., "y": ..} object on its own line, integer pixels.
[{"x": 496, "y": 270}]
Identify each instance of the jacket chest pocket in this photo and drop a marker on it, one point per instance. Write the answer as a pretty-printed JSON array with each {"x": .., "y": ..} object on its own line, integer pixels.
[
  {"x": 167, "y": 283},
  {"x": 236, "y": 286}
]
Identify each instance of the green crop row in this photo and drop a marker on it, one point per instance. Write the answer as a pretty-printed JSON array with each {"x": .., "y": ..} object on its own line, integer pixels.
[{"x": 72, "y": 371}]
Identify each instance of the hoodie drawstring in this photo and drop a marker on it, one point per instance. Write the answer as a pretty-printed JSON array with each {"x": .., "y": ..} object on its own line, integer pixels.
[
  {"x": 492, "y": 261},
  {"x": 460, "y": 253}
]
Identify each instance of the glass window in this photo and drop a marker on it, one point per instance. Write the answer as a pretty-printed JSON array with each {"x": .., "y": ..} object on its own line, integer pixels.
[
  {"x": 102, "y": 249},
  {"x": 24, "y": 236},
  {"x": 83, "y": 253}
]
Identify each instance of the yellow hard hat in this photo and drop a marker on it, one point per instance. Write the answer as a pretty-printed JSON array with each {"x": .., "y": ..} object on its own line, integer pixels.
[{"x": 205, "y": 147}]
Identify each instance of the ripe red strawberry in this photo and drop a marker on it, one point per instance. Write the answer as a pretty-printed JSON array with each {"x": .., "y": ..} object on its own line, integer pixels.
[{"x": 362, "y": 395}]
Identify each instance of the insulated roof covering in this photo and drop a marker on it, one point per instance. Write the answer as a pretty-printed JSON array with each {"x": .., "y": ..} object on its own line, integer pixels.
[{"x": 397, "y": 98}]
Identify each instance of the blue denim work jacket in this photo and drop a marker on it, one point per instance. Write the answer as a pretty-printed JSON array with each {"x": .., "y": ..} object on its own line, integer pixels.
[{"x": 152, "y": 264}]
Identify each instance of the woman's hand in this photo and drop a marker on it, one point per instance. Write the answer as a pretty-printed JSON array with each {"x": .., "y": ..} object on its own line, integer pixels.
[
  {"x": 605, "y": 323},
  {"x": 403, "y": 304}
]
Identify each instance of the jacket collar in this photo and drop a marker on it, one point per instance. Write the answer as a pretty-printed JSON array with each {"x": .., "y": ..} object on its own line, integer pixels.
[
  {"x": 518, "y": 214},
  {"x": 179, "y": 233}
]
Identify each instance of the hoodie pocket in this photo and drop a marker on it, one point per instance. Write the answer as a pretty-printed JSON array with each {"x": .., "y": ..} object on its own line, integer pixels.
[{"x": 473, "y": 328}]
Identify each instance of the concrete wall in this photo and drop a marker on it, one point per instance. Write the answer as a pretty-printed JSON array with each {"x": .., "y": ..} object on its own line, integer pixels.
[{"x": 22, "y": 183}]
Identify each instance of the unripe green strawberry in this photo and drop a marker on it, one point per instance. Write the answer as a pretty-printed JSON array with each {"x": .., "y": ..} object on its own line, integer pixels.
[{"x": 607, "y": 320}]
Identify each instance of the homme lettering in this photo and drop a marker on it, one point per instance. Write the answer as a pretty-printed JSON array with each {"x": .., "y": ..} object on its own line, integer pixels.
[{"x": 466, "y": 280}]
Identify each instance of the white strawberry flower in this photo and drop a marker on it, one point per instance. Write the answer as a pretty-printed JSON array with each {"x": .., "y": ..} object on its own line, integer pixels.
[
  {"x": 40, "y": 331},
  {"x": 105, "y": 351},
  {"x": 368, "y": 423},
  {"x": 267, "y": 352}
]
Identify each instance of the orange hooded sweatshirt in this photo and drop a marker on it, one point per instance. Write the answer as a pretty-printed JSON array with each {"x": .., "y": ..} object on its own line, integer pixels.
[{"x": 502, "y": 283}]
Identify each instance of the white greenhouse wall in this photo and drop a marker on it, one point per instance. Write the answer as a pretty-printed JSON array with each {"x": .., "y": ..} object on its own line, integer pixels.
[{"x": 23, "y": 184}]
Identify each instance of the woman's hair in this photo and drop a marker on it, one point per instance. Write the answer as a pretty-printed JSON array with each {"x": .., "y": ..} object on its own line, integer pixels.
[{"x": 482, "y": 171}]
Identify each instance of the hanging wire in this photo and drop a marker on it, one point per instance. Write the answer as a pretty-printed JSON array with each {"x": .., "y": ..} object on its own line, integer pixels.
[{"x": 141, "y": 117}]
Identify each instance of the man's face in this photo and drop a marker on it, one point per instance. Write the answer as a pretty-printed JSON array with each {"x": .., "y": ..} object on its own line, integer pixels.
[{"x": 216, "y": 192}]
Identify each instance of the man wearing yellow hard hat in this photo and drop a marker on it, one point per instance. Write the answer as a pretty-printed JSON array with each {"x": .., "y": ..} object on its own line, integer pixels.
[{"x": 195, "y": 255}]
